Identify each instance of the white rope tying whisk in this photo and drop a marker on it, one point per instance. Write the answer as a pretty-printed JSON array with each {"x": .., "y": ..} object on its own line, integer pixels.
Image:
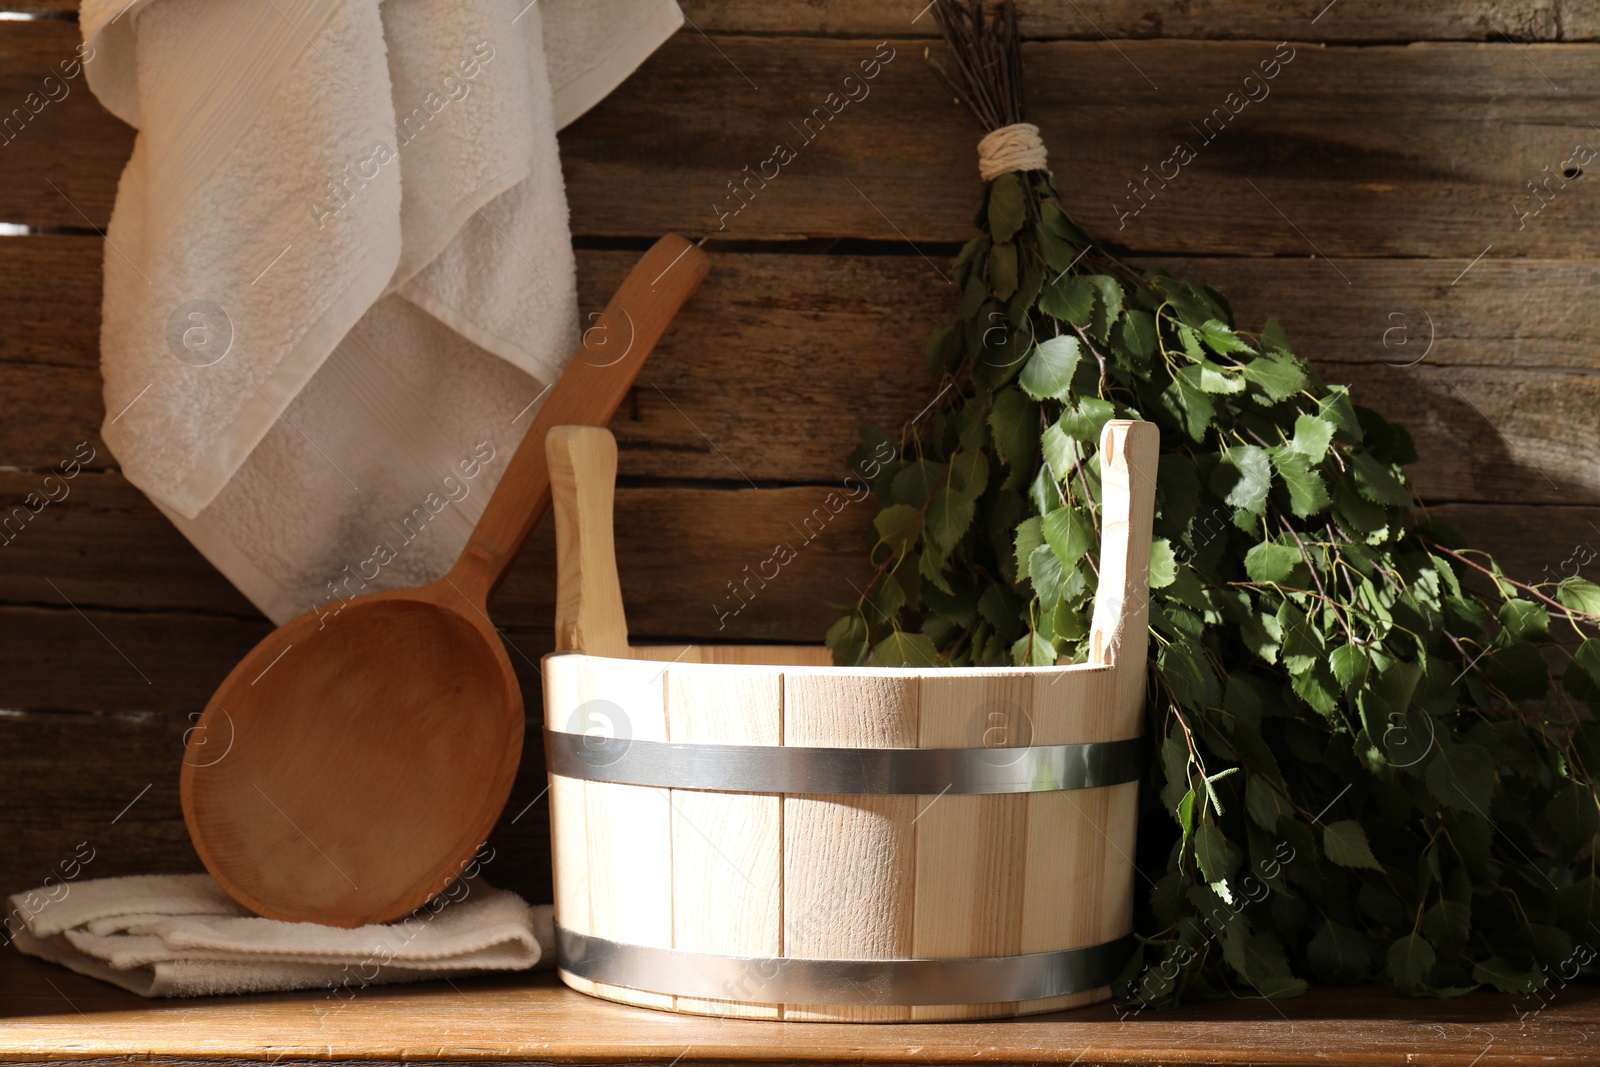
[{"x": 1011, "y": 148}]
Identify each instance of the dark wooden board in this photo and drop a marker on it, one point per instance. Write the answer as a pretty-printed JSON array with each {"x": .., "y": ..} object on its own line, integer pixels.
[
  {"x": 182, "y": 627},
  {"x": 58, "y": 1017},
  {"x": 769, "y": 371},
  {"x": 60, "y": 167},
  {"x": 1414, "y": 150},
  {"x": 103, "y": 788},
  {"x": 677, "y": 550},
  {"x": 1342, "y": 20},
  {"x": 56, "y": 656},
  {"x": 106, "y": 547},
  {"x": 1410, "y": 150},
  {"x": 1315, "y": 20},
  {"x": 1507, "y": 312},
  {"x": 111, "y": 782}
]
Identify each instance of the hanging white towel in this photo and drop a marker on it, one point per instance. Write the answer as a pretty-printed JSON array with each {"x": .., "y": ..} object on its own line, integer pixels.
[
  {"x": 338, "y": 275},
  {"x": 179, "y": 935}
]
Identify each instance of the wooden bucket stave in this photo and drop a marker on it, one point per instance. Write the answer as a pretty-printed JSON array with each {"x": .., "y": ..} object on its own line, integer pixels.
[{"x": 756, "y": 877}]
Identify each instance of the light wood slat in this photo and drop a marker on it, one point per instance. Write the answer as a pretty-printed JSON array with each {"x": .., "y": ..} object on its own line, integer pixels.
[
  {"x": 628, "y": 827},
  {"x": 590, "y": 616},
  {"x": 781, "y": 655},
  {"x": 849, "y": 862},
  {"x": 1098, "y": 822},
  {"x": 1370, "y": 151},
  {"x": 727, "y": 848},
  {"x": 1080, "y": 844},
  {"x": 951, "y": 888},
  {"x": 971, "y": 857},
  {"x": 1348, "y": 20},
  {"x": 569, "y": 853},
  {"x": 1096, "y": 867}
]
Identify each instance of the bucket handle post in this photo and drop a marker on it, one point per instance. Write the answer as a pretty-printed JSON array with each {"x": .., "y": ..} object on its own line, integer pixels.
[
  {"x": 583, "y": 475},
  {"x": 1128, "y": 455},
  {"x": 589, "y": 613}
]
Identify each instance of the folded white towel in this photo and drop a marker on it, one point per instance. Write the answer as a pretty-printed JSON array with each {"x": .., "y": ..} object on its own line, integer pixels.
[
  {"x": 179, "y": 935},
  {"x": 338, "y": 274}
]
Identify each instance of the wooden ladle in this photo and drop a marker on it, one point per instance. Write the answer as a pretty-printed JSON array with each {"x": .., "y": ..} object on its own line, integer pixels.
[{"x": 350, "y": 766}]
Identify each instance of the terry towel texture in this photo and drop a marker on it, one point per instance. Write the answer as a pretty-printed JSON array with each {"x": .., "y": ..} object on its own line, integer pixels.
[
  {"x": 179, "y": 935},
  {"x": 338, "y": 274}
]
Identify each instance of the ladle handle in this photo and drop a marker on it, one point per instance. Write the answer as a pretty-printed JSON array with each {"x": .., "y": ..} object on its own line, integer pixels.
[
  {"x": 589, "y": 612},
  {"x": 586, "y": 394}
]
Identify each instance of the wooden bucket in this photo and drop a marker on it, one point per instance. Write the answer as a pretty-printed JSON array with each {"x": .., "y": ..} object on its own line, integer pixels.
[{"x": 750, "y": 831}]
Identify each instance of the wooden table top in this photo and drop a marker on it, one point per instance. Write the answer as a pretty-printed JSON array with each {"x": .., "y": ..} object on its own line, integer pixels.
[{"x": 49, "y": 1014}]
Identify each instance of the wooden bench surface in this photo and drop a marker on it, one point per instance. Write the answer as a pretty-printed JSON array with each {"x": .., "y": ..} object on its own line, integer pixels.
[{"x": 47, "y": 1014}]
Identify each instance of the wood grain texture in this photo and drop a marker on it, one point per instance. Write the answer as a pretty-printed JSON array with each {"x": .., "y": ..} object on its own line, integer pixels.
[
  {"x": 727, "y": 848},
  {"x": 568, "y": 806},
  {"x": 105, "y": 546},
  {"x": 1366, "y": 151},
  {"x": 627, "y": 828},
  {"x": 1120, "y": 627},
  {"x": 781, "y": 655},
  {"x": 583, "y": 477},
  {"x": 971, "y": 850},
  {"x": 112, "y": 780},
  {"x": 850, "y": 865},
  {"x": 1385, "y": 20},
  {"x": 1493, "y": 374},
  {"x": 1348, "y": 20},
  {"x": 60, "y": 146},
  {"x": 531, "y": 1019},
  {"x": 677, "y": 548},
  {"x": 1095, "y": 826},
  {"x": 370, "y": 756},
  {"x": 56, "y": 657},
  {"x": 1415, "y": 150}
]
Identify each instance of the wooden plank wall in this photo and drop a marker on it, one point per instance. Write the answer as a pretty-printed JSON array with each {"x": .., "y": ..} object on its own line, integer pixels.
[{"x": 1376, "y": 199}]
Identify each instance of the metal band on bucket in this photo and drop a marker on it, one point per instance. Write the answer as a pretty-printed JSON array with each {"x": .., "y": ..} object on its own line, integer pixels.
[
  {"x": 796, "y": 769},
  {"x": 797, "y": 980}
]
